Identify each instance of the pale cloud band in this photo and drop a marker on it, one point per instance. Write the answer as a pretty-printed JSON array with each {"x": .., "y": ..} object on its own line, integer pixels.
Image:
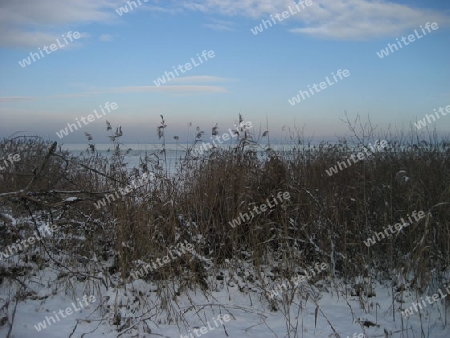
[
  {"x": 33, "y": 23},
  {"x": 16, "y": 98},
  {"x": 332, "y": 19},
  {"x": 201, "y": 78},
  {"x": 171, "y": 89}
]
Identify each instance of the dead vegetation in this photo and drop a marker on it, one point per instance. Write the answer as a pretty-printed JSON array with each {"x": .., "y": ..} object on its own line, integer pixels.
[{"x": 325, "y": 220}]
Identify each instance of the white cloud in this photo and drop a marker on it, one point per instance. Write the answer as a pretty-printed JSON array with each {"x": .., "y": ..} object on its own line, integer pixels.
[
  {"x": 175, "y": 89},
  {"x": 334, "y": 19},
  {"x": 154, "y": 8},
  {"x": 187, "y": 89},
  {"x": 201, "y": 78},
  {"x": 31, "y": 23},
  {"x": 220, "y": 25},
  {"x": 363, "y": 19},
  {"x": 16, "y": 98},
  {"x": 106, "y": 37}
]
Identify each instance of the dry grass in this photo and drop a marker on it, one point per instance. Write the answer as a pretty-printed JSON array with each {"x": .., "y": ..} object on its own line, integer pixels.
[{"x": 325, "y": 220}]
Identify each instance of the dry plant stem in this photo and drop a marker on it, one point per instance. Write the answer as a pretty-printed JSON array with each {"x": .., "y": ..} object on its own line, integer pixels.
[{"x": 11, "y": 323}]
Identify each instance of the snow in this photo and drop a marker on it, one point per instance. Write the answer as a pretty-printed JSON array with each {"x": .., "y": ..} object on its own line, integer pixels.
[{"x": 251, "y": 314}]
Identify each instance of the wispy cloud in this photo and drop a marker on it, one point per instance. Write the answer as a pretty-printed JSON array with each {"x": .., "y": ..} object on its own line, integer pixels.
[
  {"x": 362, "y": 20},
  {"x": 16, "y": 98},
  {"x": 220, "y": 25},
  {"x": 36, "y": 23},
  {"x": 106, "y": 37},
  {"x": 332, "y": 19},
  {"x": 173, "y": 89},
  {"x": 32, "y": 23},
  {"x": 201, "y": 78},
  {"x": 187, "y": 89},
  {"x": 73, "y": 95},
  {"x": 156, "y": 8}
]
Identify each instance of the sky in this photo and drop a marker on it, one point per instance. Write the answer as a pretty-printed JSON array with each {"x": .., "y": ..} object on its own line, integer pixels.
[{"x": 117, "y": 59}]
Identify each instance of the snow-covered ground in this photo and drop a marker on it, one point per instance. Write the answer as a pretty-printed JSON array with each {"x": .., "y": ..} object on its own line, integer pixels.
[{"x": 234, "y": 306}]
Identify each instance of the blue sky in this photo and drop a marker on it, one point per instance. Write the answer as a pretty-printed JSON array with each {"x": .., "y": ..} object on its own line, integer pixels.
[{"x": 117, "y": 58}]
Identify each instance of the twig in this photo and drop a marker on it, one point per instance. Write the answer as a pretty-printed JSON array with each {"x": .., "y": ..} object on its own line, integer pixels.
[{"x": 12, "y": 319}]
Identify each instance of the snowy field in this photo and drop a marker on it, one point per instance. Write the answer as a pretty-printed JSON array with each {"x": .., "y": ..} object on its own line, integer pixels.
[{"x": 321, "y": 310}]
